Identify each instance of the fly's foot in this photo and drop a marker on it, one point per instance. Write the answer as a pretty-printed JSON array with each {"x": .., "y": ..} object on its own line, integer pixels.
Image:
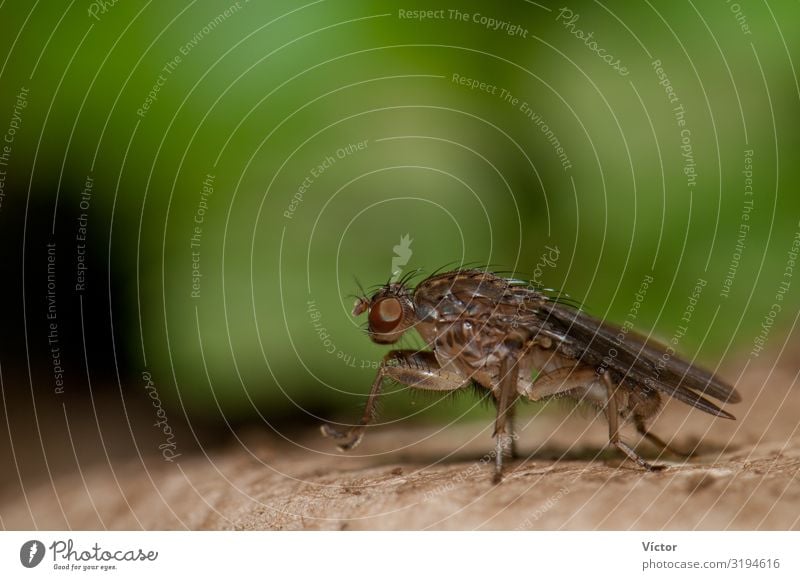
[
  {"x": 503, "y": 448},
  {"x": 353, "y": 435},
  {"x": 627, "y": 450}
]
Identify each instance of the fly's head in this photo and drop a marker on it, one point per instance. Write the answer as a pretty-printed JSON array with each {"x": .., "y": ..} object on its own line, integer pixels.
[{"x": 390, "y": 313}]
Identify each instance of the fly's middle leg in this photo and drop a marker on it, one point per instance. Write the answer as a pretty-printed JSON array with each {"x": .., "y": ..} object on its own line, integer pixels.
[
  {"x": 415, "y": 369},
  {"x": 506, "y": 397}
]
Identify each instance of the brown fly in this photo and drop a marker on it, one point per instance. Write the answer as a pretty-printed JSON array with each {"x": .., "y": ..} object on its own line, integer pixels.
[{"x": 520, "y": 342}]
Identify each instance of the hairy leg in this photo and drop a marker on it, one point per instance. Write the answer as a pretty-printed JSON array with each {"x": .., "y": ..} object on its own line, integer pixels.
[
  {"x": 612, "y": 414},
  {"x": 506, "y": 397},
  {"x": 415, "y": 369}
]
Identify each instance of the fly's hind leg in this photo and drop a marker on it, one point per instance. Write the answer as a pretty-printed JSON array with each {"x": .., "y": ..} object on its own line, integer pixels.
[
  {"x": 612, "y": 414},
  {"x": 644, "y": 403},
  {"x": 659, "y": 442},
  {"x": 415, "y": 369},
  {"x": 512, "y": 420}
]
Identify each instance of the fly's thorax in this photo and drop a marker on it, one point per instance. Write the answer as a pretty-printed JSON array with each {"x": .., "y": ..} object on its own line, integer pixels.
[
  {"x": 425, "y": 313},
  {"x": 427, "y": 331}
]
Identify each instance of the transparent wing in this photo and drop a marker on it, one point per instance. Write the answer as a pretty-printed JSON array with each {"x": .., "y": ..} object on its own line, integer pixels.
[{"x": 642, "y": 360}]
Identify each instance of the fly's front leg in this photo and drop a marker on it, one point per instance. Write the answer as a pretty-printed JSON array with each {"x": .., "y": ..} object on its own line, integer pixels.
[
  {"x": 352, "y": 436},
  {"x": 415, "y": 369},
  {"x": 612, "y": 414}
]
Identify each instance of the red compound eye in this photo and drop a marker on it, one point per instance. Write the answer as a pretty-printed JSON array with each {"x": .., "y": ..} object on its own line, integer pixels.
[{"x": 385, "y": 315}]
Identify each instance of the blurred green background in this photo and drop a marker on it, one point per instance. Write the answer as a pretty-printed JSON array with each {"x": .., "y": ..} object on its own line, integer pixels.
[{"x": 250, "y": 160}]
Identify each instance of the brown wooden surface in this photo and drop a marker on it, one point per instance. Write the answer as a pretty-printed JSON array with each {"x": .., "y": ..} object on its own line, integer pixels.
[{"x": 432, "y": 477}]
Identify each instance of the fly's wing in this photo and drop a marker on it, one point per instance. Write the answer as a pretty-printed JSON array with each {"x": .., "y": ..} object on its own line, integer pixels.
[{"x": 641, "y": 360}]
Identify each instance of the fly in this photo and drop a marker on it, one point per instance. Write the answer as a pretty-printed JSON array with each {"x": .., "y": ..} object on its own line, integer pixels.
[{"x": 520, "y": 342}]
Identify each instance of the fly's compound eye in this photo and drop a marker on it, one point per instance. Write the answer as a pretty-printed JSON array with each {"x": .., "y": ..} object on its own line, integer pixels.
[{"x": 385, "y": 315}]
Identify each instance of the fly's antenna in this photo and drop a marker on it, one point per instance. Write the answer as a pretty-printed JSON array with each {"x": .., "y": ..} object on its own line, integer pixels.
[{"x": 362, "y": 292}]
